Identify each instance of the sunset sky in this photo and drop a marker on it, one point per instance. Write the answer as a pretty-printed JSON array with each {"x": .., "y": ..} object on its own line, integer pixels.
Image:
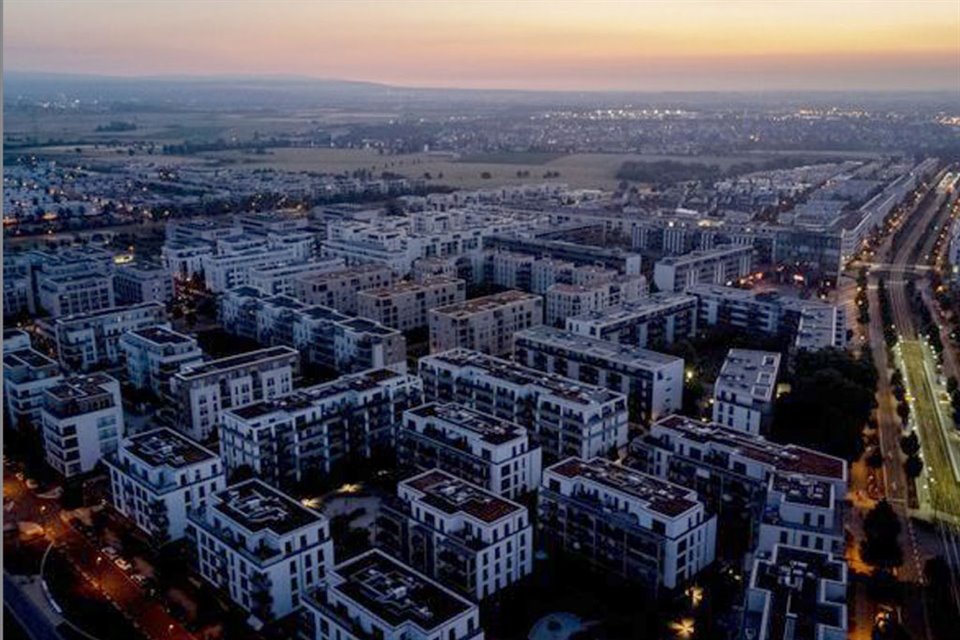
[{"x": 640, "y": 45}]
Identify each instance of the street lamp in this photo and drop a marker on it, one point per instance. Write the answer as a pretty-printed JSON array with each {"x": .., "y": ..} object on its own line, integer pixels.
[{"x": 684, "y": 628}]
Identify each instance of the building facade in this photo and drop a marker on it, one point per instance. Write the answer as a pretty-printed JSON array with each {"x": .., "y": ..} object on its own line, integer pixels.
[
  {"x": 745, "y": 389},
  {"x": 480, "y": 448},
  {"x": 484, "y": 324},
  {"x": 154, "y": 354}
]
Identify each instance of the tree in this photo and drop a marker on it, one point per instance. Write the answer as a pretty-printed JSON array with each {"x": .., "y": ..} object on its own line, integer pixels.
[
  {"x": 875, "y": 459},
  {"x": 910, "y": 444},
  {"x": 903, "y": 410},
  {"x": 913, "y": 467},
  {"x": 881, "y": 544}
]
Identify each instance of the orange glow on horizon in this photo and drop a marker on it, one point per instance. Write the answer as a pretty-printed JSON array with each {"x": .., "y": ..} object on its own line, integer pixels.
[{"x": 684, "y": 44}]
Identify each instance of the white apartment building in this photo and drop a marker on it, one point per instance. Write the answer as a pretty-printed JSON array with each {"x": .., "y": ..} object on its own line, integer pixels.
[
  {"x": 82, "y": 418},
  {"x": 651, "y": 381},
  {"x": 260, "y": 546},
  {"x": 142, "y": 281},
  {"x": 375, "y": 596},
  {"x": 182, "y": 259},
  {"x": 338, "y": 289},
  {"x": 154, "y": 354},
  {"x": 566, "y": 417},
  {"x": 744, "y": 392},
  {"x": 405, "y": 305},
  {"x": 808, "y": 324},
  {"x": 92, "y": 340},
  {"x": 15, "y": 340},
  {"x": 69, "y": 294},
  {"x": 207, "y": 230},
  {"x": 345, "y": 421},
  {"x": 722, "y": 265},
  {"x": 281, "y": 279},
  {"x": 223, "y": 271},
  {"x": 203, "y": 391},
  {"x": 796, "y": 593},
  {"x": 566, "y": 300},
  {"x": 483, "y": 449},
  {"x": 801, "y": 512},
  {"x": 26, "y": 375},
  {"x": 660, "y": 319},
  {"x": 157, "y": 476},
  {"x": 468, "y": 538},
  {"x": 484, "y": 324},
  {"x": 619, "y": 520},
  {"x": 335, "y": 341}
]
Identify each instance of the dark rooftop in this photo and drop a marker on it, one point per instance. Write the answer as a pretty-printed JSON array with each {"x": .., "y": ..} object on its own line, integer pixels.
[
  {"x": 490, "y": 428},
  {"x": 452, "y": 495},
  {"x": 240, "y": 360},
  {"x": 161, "y": 335},
  {"x": 396, "y": 594},
  {"x": 661, "y": 496},
  {"x": 166, "y": 447},
  {"x": 257, "y": 506}
]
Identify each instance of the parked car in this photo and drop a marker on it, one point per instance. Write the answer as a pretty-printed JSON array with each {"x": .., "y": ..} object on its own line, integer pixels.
[
  {"x": 110, "y": 552},
  {"x": 139, "y": 579},
  {"x": 123, "y": 564}
]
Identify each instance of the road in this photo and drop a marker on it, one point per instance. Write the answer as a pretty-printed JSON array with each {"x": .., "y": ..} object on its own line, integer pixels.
[
  {"x": 146, "y": 613},
  {"x": 32, "y": 621}
]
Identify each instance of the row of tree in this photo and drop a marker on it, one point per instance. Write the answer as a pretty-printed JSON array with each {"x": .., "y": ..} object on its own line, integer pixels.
[{"x": 862, "y": 302}]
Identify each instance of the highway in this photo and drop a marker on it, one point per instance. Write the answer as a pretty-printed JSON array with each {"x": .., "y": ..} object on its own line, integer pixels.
[{"x": 938, "y": 487}]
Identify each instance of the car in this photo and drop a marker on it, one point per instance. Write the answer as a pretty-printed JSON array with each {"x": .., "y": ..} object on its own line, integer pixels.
[
  {"x": 32, "y": 484},
  {"x": 123, "y": 564},
  {"x": 139, "y": 579},
  {"x": 110, "y": 552}
]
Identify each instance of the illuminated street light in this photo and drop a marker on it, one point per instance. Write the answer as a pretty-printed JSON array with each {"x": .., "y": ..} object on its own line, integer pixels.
[{"x": 684, "y": 628}]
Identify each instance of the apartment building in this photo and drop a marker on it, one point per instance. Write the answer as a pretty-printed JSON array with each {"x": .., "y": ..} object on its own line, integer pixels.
[
  {"x": 183, "y": 259},
  {"x": 405, "y": 305},
  {"x": 483, "y": 449},
  {"x": 15, "y": 340},
  {"x": 224, "y": 270},
  {"x": 326, "y": 337},
  {"x": 154, "y": 354},
  {"x": 745, "y": 389},
  {"x": 92, "y": 340},
  {"x": 581, "y": 254},
  {"x": 621, "y": 521},
  {"x": 261, "y": 547},
  {"x": 282, "y": 279},
  {"x": 796, "y": 593},
  {"x": 26, "y": 375},
  {"x": 805, "y": 324},
  {"x": 75, "y": 293},
  {"x": 309, "y": 432},
  {"x": 157, "y": 476},
  {"x": 203, "y": 391},
  {"x": 801, "y": 512},
  {"x": 142, "y": 281},
  {"x": 458, "y": 533},
  {"x": 722, "y": 265},
  {"x": 82, "y": 418},
  {"x": 729, "y": 469},
  {"x": 375, "y": 596},
  {"x": 339, "y": 289},
  {"x": 565, "y": 417},
  {"x": 566, "y": 300},
  {"x": 651, "y": 381},
  {"x": 484, "y": 324},
  {"x": 660, "y": 319}
]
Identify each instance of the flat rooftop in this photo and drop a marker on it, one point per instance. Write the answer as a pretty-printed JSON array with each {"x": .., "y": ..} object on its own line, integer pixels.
[
  {"x": 111, "y": 311},
  {"x": 799, "y": 489},
  {"x": 655, "y": 303},
  {"x": 81, "y": 387},
  {"x": 700, "y": 255},
  {"x": 27, "y": 358},
  {"x": 518, "y": 375},
  {"x": 166, "y": 447},
  {"x": 256, "y": 506},
  {"x": 658, "y": 495},
  {"x": 232, "y": 362},
  {"x": 487, "y": 427},
  {"x": 487, "y": 303},
  {"x": 594, "y": 348},
  {"x": 396, "y": 594},
  {"x": 785, "y": 458},
  {"x": 408, "y": 286},
  {"x": 751, "y": 372},
  {"x": 161, "y": 335},
  {"x": 793, "y": 579},
  {"x": 453, "y": 495},
  {"x": 308, "y": 396}
]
